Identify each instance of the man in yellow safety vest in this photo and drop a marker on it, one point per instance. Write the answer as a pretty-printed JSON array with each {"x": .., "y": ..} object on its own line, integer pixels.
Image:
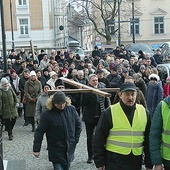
[
  {"x": 160, "y": 136},
  {"x": 122, "y": 134}
]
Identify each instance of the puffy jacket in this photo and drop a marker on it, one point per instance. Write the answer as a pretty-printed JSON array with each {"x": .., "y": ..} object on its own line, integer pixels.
[
  {"x": 154, "y": 95},
  {"x": 62, "y": 130}
]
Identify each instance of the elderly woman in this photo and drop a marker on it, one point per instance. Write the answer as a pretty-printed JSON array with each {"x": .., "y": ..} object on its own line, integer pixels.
[
  {"x": 32, "y": 91},
  {"x": 51, "y": 81},
  {"x": 41, "y": 102},
  {"x": 8, "y": 104}
]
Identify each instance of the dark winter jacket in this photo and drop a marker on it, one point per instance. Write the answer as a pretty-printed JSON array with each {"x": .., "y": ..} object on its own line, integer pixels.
[
  {"x": 142, "y": 86},
  {"x": 22, "y": 82},
  {"x": 8, "y": 100},
  {"x": 156, "y": 134},
  {"x": 154, "y": 95},
  {"x": 62, "y": 128},
  {"x": 94, "y": 105},
  {"x": 113, "y": 79}
]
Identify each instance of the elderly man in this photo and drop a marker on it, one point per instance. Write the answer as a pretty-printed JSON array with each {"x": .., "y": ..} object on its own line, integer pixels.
[
  {"x": 93, "y": 106},
  {"x": 122, "y": 134}
]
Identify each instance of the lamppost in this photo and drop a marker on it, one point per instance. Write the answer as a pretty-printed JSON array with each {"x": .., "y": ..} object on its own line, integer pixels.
[
  {"x": 133, "y": 22},
  {"x": 12, "y": 29},
  {"x": 5, "y": 70},
  {"x": 3, "y": 37},
  {"x": 119, "y": 36}
]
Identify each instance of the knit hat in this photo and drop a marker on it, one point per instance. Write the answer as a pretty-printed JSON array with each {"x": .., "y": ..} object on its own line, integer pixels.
[
  {"x": 154, "y": 77},
  {"x": 59, "y": 97},
  {"x": 52, "y": 73},
  {"x": 142, "y": 67},
  {"x": 59, "y": 82},
  {"x": 4, "y": 81},
  {"x": 168, "y": 78},
  {"x": 32, "y": 73},
  {"x": 45, "y": 69}
]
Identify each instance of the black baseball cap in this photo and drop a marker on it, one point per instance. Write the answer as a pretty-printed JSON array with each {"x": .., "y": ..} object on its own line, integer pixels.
[{"x": 127, "y": 86}]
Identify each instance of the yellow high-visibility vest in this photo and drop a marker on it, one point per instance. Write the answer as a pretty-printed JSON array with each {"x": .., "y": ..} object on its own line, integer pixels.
[
  {"x": 165, "y": 148},
  {"x": 124, "y": 138}
]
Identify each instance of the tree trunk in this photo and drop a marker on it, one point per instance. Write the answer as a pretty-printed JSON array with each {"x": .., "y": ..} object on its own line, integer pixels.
[{"x": 108, "y": 40}]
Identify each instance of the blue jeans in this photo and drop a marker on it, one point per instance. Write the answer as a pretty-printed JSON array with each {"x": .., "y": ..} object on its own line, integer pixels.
[{"x": 58, "y": 166}]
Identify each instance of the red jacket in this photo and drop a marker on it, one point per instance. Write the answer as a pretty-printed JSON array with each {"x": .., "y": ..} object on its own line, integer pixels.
[{"x": 166, "y": 88}]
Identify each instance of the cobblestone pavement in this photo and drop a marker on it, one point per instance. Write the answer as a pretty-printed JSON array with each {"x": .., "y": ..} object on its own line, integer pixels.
[{"x": 20, "y": 149}]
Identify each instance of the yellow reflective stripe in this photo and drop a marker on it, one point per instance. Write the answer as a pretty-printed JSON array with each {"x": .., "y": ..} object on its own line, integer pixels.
[
  {"x": 167, "y": 145},
  {"x": 127, "y": 133},
  {"x": 166, "y": 132},
  {"x": 125, "y": 144}
]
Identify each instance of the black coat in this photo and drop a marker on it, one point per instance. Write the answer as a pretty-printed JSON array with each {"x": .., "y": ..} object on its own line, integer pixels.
[
  {"x": 62, "y": 130},
  {"x": 94, "y": 105}
]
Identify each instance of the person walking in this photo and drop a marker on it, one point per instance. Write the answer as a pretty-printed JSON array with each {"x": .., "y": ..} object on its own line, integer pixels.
[
  {"x": 32, "y": 91},
  {"x": 62, "y": 126},
  {"x": 159, "y": 136},
  {"x": 122, "y": 134},
  {"x": 93, "y": 106},
  {"x": 8, "y": 106},
  {"x": 24, "y": 78},
  {"x": 41, "y": 102},
  {"x": 154, "y": 93}
]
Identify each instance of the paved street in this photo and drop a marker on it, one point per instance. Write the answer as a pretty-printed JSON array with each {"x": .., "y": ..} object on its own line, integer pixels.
[{"x": 19, "y": 151}]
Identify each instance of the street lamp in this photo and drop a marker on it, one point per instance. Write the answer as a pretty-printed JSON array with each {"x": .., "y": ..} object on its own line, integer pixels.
[
  {"x": 3, "y": 36},
  {"x": 12, "y": 29},
  {"x": 119, "y": 36},
  {"x": 133, "y": 22}
]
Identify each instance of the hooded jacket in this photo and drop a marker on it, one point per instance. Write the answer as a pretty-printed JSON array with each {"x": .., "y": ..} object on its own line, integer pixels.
[{"x": 62, "y": 128}]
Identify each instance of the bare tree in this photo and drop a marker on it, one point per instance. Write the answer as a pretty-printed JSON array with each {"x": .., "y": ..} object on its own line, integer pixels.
[{"x": 102, "y": 14}]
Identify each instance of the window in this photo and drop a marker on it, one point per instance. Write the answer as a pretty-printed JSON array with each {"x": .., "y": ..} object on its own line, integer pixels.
[
  {"x": 112, "y": 29},
  {"x": 22, "y": 2},
  {"x": 23, "y": 26},
  {"x": 136, "y": 26},
  {"x": 159, "y": 25}
]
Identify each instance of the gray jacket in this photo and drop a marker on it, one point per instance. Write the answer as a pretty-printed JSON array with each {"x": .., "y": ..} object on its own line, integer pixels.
[{"x": 41, "y": 105}]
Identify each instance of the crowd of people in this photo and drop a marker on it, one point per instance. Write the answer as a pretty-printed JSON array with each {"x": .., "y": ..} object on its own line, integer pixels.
[{"x": 117, "y": 128}]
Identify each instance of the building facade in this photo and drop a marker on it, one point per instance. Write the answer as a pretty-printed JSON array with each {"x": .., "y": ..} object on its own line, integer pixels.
[
  {"x": 32, "y": 20},
  {"x": 151, "y": 23}
]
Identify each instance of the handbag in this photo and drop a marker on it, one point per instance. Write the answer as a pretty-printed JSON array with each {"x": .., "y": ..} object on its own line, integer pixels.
[{"x": 24, "y": 99}]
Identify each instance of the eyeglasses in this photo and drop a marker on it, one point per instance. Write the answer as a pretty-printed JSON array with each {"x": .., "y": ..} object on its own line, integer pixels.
[
  {"x": 46, "y": 87},
  {"x": 60, "y": 87}
]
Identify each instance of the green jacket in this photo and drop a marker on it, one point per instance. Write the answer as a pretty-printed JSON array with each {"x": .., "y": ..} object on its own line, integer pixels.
[
  {"x": 156, "y": 135},
  {"x": 8, "y": 100}
]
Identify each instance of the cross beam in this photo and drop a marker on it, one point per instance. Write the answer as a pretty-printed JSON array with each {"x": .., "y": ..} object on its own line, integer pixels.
[{"x": 85, "y": 89}]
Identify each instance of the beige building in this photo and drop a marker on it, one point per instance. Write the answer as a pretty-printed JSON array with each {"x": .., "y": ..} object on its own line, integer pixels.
[
  {"x": 152, "y": 22},
  {"x": 32, "y": 20}
]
